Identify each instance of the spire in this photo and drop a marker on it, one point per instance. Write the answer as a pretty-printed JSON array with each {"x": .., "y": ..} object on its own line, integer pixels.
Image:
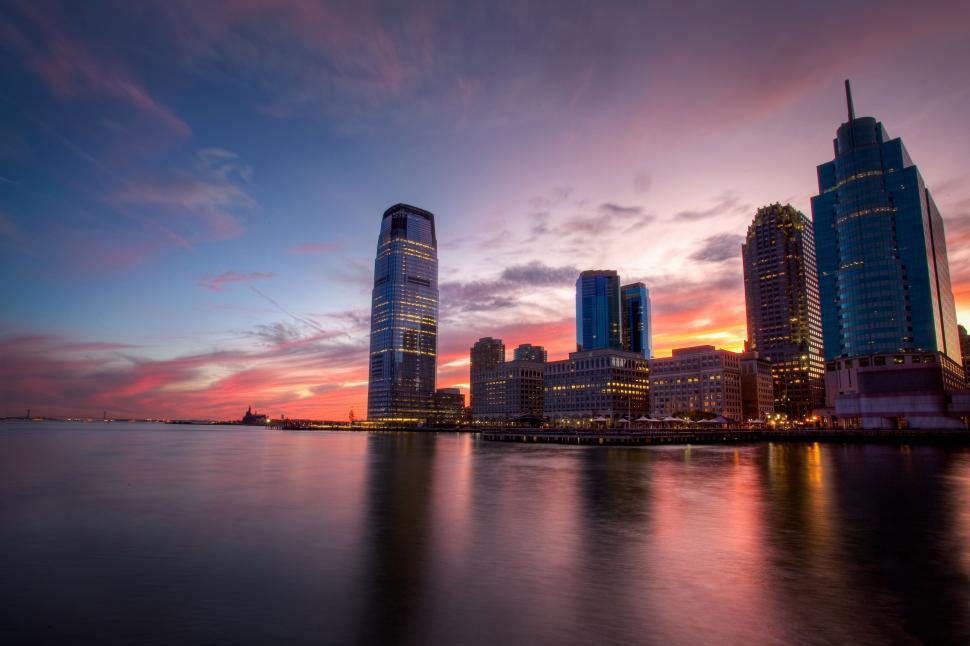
[{"x": 848, "y": 100}]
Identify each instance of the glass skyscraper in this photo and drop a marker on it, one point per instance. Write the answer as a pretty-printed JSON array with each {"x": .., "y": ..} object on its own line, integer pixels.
[
  {"x": 783, "y": 311},
  {"x": 404, "y": 317},
  {"x": 635, "y": 309},
  {"x": 598, "y": 310},
  {"x": 884, "y": 279}
]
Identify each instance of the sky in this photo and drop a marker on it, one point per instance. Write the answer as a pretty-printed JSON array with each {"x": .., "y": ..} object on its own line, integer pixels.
[{"x": 191, "y": 193}]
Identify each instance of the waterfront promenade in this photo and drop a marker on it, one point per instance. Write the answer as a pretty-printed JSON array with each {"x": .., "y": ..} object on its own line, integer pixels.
[{"x": 725, "y": 436}]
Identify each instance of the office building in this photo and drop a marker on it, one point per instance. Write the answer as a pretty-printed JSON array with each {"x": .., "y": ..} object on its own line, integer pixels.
[
  {"x": 965, "y": 352},
  {"x": 448, "y": 407},
  {"x": 511, "y": 391},
  {"x": 486, "y": 354},
  {"x": 529, "y": 352},
  {"x": 592, "y": 384},
  {"x": 884, "y": 283},
  {"x": 757, "y": 387},
  {"x": 783, "y": 310},
  {"x": 635, "y": 312},
  {"x": 404, "y": 318},
  {"x": 699, "y": 379},
  {"x": 598, "y": 310}
]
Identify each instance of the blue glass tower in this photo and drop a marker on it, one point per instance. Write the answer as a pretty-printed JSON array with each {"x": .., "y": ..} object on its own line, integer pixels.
[
  {"x": 884, "y": 280},
  {"x": 598, "y": 310},
  {"x": 635, "y": 306},
  {"x": 404, "y": 317}
]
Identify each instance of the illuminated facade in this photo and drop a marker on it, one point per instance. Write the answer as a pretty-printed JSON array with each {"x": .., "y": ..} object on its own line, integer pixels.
[
  {"x": 757, "y": 387},
  {"x": 965, "y": 351},
  {"x": 884, "y": 278},
  {"x": 509, "y": 391},
  {"x": 485, "y": 355},
  {"x": 597, "y": 383},
  {"x": 700, "y": 379},
  {"x": 404, "y": 318},
  {"x": 529, "y": 352},
  {"x": 448, "y": 407},
  {"x": 635, "y": 310},
  {"x": 598, "y": 310},
  {"x": 783, "y": 310}
]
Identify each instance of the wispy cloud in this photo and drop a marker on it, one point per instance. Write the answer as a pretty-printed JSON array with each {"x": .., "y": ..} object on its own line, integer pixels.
[
  {"x": 314, "y": 247},
  {"x": 217, "y": 283},
  {"x": 718, "y": 248}
]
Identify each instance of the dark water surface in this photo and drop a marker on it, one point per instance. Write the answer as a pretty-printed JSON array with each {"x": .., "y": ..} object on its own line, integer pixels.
[{"x": 127, "y": 534}]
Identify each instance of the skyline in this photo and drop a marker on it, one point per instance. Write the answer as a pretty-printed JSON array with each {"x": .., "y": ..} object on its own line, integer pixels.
[{"x": 179, "y": 242}]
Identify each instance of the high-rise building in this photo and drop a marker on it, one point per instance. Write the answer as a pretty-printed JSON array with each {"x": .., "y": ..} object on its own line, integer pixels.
[
  {"x": 635, "y": 310},
  {"x": 757, "y": 387},
  {"x": 485, "y": 355},
  {"x": 888, "y": 318},
  {"x": 700, "y": 379},
  {"x": 783, "y": 311},
  {"x": 598, "y": 310},
  {"x": 607, "y": 383},
  {"x": 529, "y": 352},
  {"x": 404, "y": 317}
]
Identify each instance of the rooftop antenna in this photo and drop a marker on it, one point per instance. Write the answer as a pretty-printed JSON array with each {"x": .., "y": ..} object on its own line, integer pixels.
[{"x": 848, "y": 100}]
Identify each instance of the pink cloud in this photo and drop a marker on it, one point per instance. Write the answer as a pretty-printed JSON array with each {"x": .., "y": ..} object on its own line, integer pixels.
[
  {"x": 216, "y": 283},
  {"x": 314, "y": 247}
]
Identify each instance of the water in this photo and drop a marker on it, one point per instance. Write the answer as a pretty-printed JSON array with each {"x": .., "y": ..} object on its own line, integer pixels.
[{"x": 125, "y": 534}]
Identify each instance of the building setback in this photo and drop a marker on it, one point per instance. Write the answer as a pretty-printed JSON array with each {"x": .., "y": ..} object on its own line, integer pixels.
[
  {"x": 884, "y": 282},
  {"x": 598, "y": 310},
  {"x": 597, "y": 383},
  {"x": 635, "y": 312},
  {"x": 782, "y": 302},
  {"x": 404, "y": 317},
  {"x": 699, "y": 379}
]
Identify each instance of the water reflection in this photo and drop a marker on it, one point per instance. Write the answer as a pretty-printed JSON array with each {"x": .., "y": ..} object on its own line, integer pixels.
[{"x": 249, "y": 537}]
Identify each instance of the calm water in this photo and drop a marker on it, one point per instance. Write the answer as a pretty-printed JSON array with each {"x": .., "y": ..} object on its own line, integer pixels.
[{"x": 157, "y": 534}]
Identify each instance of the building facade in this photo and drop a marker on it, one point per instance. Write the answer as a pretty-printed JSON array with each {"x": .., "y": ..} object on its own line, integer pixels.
[
  {"x": 598, "y": 310},
  {"x": 601, "y": 383},
  {"x": 529, "y": 352},
  {"x": 884, "y": 277},
  {"x": 757, "y": 387},
  {"x": 635, "y": 313},
  {"x": 404, "y": 317},
  {"x": 448, "y": 407},
  {"x": 700, "y": 379},
  {"x": 783, "y": 309},
  {"x": 965, "y": 352},
  {"x": 509, "y": 392},
  {"x": 485, "y": 355}
]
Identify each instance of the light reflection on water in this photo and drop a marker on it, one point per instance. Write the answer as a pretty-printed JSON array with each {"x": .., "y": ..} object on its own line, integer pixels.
[{"x": 148, "y": 534}]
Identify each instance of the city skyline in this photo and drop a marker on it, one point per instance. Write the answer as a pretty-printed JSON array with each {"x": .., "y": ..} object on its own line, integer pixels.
[{"x": 189, "y": 256}]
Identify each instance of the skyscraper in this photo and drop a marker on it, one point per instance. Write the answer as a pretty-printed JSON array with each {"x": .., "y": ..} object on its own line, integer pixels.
[
  {"x": 884, "y": 279},
  {"x": 635, "y": 309},
  {"x": 889, "y": 325},
  {"x": 404, "y": 317},
  {"x": 598, "y": 310},
  {"x": 781, "y": 295}
]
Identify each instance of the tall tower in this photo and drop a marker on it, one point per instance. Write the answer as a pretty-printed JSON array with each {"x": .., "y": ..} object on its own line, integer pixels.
[
  {"x": 404, "y": 317},
  {"x": 884, "y": 278},
  {"x": 598, "y": 310},
  {"x": 784, "y": 317},
  {"x": 635, "y": 309}
]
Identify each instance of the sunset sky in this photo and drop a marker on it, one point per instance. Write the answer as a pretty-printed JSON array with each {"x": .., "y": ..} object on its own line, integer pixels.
[{"x": 191, "y": 192}]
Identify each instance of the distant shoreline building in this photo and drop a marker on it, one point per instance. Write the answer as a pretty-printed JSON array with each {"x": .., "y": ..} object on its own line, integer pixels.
[
  {"x": 636, "y": 328},
  {"x": 783, "y": 311},
  {"x": 602, "y": 383},
  {"x": 888, "y": 315},
  {"x": 699, "y": 379},
  {"x": 507, "y": 391},
  {"x": 598, "y": 322},
  {"x": 404, "y": 318}
]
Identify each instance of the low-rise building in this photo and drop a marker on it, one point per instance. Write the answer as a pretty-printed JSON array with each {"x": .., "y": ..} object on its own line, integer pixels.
[
  {"x": 511, "y": 391},
  {"x": 448, "y": 407},
  {"x": 699, "y": 379},
  {"x": 601, "y": 383}
]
